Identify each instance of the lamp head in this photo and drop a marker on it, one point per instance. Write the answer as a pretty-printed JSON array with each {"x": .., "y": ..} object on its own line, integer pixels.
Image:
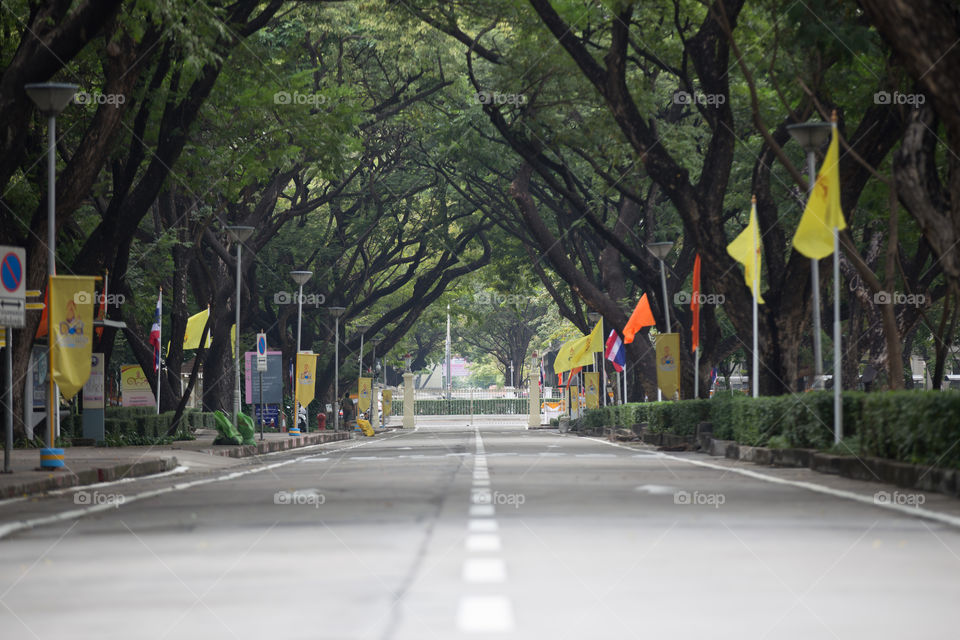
[
  {"x": 51, "y": 97},
  {"x": 810, "y": 135},
  {"x": 660, "y": 249},
  {"x": 301, "y": 277},
  {"x": 239, "y": 233}
]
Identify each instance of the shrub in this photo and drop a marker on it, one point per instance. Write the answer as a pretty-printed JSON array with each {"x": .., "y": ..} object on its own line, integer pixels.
[{"x": 911, "y": 426}]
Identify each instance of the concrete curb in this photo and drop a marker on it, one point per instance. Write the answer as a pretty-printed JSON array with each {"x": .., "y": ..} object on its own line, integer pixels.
[
  {"x": 901, "y": 474},
  {"x": 271, "y": 446},
  {"x": 66, "y": 479}
]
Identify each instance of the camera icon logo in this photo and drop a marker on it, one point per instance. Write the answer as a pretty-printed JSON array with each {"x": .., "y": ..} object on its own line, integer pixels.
[
  {"x": 882, "y": 497},
  {"x": 484, "y": 97},
  {"x": 882, "y": 97},
  {"x": 682, "y": 297},
  {"x": 682, "y": 497},
  {"x": 882, "y": 297},
  {"x": 82, "y": 297},
  {"x": 282, "y": 497},
  {"x": 282, "y": 297},
  {"x": 281, "y": 97},
  {"x": 82, "y": 498},
  {"x": 682, "y": 97}
]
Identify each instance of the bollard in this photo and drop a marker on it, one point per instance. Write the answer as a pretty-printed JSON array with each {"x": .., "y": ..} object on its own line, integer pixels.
[{"x": 51, "y": 458}]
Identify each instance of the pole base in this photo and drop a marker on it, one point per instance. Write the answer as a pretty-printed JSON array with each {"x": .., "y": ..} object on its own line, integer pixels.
[{"x": 51, "y": 458}]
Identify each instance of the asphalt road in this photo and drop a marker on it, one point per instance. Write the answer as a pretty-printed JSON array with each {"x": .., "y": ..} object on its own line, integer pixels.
[{"x": 455, "y": 531}]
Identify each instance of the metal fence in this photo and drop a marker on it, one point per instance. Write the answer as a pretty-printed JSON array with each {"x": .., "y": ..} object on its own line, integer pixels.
[{"x": 463, "y": 402}]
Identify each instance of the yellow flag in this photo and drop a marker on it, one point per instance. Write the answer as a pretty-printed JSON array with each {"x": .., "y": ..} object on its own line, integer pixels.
[
  {"x": 387, "y": 403},
  {"x": 363, "y": 394},
  {"x": 814, "y": 236},
  {"x": 195, "y": 324},
  {"x": 745, "y": 249},
  {"x": 596, "y": 339},
  {"x": 579, "y": 352},
  {"x": 668, "y": 363},
  {"x": 71, "y": 330},
  {"x": 591, "y": 381},
  {"x": 233, "y": 340},
  {"x": 306, "y": 378}
]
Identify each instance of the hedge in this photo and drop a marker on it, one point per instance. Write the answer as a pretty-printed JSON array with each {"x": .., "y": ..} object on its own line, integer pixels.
[{"x": 919, "y": 427}]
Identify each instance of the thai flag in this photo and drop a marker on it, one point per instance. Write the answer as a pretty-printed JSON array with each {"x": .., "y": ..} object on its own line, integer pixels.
[
  {"x": 155, "y": 332},
  {"x": 713, "y": 377},
  {"x": 615, "y": 351}
]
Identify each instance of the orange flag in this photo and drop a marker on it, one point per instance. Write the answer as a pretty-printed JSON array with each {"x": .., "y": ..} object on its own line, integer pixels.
[
  {"x": 573, "y": 372},
  {"x": 695, "y": 306},
  {"x": 642, "y": 317}
]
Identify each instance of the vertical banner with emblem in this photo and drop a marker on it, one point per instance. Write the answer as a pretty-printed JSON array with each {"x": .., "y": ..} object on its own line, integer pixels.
[
  {"x": 306, "y": 378},
  {"x": 364, "y": 394},
  {"x": 592, "y": 381},
  {"x": 134, "y": 387},
  {"x": 387, "y": 403},
  {"x": 668, "y": 364},
  {"x": 71, "y": 331}
]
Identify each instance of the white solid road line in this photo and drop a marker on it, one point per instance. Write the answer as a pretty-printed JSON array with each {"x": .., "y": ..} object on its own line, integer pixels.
[
  {"x": 917, "y": 512},
  {"x": 21, "y": 525}
]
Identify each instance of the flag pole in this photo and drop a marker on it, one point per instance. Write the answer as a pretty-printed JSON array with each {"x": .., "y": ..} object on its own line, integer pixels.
[
  {"x": 603, "y": 368},
  {"x": 837, "y": 384},
  {"x": 837, "y": 357},
  {"x": 754, "y": 373},
  {"x": 696, "y": 372},
  {"x": 159, "y": 363}
]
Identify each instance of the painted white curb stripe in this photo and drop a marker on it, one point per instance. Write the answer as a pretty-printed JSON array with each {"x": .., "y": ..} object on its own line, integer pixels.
[{"x": 919, "y": 512}]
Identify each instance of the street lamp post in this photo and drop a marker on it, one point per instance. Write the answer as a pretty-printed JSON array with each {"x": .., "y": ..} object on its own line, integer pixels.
[
  {"x": 811, "y": 136},
  {"x": 373, "y": 381},
  {"x": 300, "y": 278},
  {"x": 51, "y": 98},
  {"x": 362, "y": 328},
  {"x": 660, "y": 251},
  {"x": 237, "y": 235},
  {"x": 336, "y": 312}
]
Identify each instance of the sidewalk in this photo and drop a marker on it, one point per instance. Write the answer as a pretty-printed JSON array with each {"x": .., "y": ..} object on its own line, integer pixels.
[{"x": 89, "y": 465}]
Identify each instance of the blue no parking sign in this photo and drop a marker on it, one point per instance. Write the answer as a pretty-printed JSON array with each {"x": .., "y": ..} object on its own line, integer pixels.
[{"x": 13, "y": 293}]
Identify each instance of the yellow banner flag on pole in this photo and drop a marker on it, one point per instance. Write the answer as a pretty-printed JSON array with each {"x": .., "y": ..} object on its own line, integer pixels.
[
  {"x": 306, "y": 378},
  {"x": 591, "y": 381},
  {"x": 668, "y": 363},
  {"x": 387, "y": 403},
  {"x": 195, "y": 324},
  {"x": 745, "y": 249},
  {"x": 71, "y": 331},
  {"x": 823, "y": 214},
  {"x": 579, "y": 352},
  {"x": 364, "y": 394}
]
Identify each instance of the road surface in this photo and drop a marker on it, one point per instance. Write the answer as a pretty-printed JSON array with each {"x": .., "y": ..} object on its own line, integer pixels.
[{"x": 474, "y": 531}]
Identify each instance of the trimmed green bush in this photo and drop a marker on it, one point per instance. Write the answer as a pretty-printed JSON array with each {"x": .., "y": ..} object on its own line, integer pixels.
[{"x": 920, "y": 427}]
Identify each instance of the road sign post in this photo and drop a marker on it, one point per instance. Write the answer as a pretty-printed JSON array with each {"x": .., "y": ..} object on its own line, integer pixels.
[
  {"x": 261, "y": 367},
  {"x": 13, "y": 291}
]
